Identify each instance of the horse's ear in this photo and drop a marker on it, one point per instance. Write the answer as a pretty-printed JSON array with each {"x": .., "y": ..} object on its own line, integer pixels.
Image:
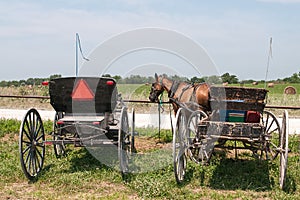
[{"x": 156, "y": 77}]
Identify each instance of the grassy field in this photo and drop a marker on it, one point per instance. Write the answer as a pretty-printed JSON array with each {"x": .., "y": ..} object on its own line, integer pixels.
[{"x": 80, "y": 176}]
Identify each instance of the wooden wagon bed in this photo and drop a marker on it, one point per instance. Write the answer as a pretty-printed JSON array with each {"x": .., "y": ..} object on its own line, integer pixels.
[{"x": 230, "y": 106}]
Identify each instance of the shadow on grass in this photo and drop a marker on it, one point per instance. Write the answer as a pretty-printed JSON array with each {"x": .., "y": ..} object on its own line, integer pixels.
[
  {"x": 231, "y": 174},
  {"x": 83, "y": 160},
  {"x": 44, "y": 171}
]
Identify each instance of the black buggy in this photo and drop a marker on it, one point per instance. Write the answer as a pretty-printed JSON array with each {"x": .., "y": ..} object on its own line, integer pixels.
[{"x": 89, "y": 112}]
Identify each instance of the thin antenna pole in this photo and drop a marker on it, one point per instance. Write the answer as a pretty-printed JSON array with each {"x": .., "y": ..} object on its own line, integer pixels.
[
  {"x": 268, "y": 64},
  {"x": 78, "y": 46},
  {"x": 76, "y": 59}
]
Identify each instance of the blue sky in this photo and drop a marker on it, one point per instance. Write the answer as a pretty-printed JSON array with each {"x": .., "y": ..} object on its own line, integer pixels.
[{"x": 38, "y": 37}]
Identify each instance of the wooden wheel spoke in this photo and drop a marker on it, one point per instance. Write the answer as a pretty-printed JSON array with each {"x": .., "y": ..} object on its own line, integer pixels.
[
  {"x": 269, "y": 126},
  {"x": 38, "y": 160},
  {"x": 26, "y": 149},
  {"x": 267, "y": 118},
  {"x": 26, "y": 134},
  {"x": 30, "y": 122},
  {"x": 27, "y": 157},
  {"x": 37, "y": 126},
  {"x": 39, "y": 153},
  {"x": 33, "y": 164},
  {"x": 40, "y": 137},
  {"x": 26, "y": 142},
  {"x": 273, "y": 130},
  {"x": 28, "y": 128},
  {"x": 29, "y": 162},
  {"x": 37, "y": 130}
]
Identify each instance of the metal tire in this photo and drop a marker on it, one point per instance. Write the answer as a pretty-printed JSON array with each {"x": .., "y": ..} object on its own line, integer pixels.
[
  {"x": 124, "y": 142},
  {"x": 59, "y": 149},
  {"x": 179, "y": 146},
  {"x": 284, "y": 149}
]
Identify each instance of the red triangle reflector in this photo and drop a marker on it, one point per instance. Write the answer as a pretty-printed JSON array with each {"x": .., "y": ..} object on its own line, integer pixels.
[{"x": 82, "y": 91}]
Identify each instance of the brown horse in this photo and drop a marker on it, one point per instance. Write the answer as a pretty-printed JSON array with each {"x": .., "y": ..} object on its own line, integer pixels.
[{"x": 194, "y": 96}]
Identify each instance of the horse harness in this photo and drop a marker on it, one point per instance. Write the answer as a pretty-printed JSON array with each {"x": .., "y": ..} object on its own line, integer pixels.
[{"x": 174, "y": 88}]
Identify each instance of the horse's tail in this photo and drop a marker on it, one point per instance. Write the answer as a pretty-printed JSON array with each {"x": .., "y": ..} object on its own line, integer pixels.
[{"x": 208, "y": 103}]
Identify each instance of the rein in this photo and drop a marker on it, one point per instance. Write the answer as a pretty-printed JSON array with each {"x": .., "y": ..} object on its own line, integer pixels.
[{"x": 173, "y": 89}]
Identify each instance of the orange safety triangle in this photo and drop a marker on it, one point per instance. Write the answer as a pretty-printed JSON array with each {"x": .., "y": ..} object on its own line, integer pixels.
[{"x": 82, "y": 91}]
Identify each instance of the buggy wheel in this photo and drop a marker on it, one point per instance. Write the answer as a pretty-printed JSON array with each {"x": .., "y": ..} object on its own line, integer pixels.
[
  {"x": 179, "y": 146},
  {"x": 124, "y": 142},
  {"x": 59, "y": 149},
  {"x": 199, "y": 149},
  {"x": 267, "y": 148},
  {"x": 31, "y": 144},
  {"x": 283, "y": 149}
]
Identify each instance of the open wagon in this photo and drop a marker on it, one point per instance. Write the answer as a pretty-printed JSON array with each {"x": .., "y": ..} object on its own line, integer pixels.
[
  {"x": 237, "y": 115},
  {"x": 89, "y": 112}
]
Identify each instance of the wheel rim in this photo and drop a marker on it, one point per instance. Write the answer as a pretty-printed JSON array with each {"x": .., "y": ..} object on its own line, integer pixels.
[
  {"x": 267, "y": 149},
  {"x": 31, "y": 144},
  {"x": 199, "y": 153},
  {"x": 179, "y": 146},
  {"x": 124, "y": 143},
  {"x": 59, "y": 149},
  {"x": 284, "y": 150}
]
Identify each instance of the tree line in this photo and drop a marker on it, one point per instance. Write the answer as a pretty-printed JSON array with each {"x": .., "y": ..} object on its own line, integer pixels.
[
  {"x": 29, "y": 81},
  {"x": 137, "y": 79}
]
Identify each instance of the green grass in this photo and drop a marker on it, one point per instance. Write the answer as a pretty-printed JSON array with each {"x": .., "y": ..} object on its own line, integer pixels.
[
  {"x": 134, "y": 91},
  {"x": 80, "y": 176},
  {"x": 164, "y": 135}
]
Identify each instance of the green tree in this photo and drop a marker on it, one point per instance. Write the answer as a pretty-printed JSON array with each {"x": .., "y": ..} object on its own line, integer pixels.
[
  {"x": 229, "y": 78},
  {"x": 295, "y": 78},
  {"x": 117, "y": 78},
  {"x": 197, "y": 80},
  {"x": 55, "y": 76},
  {"x": 106, "y": 75},
  {"x": 212, "y": 79}
]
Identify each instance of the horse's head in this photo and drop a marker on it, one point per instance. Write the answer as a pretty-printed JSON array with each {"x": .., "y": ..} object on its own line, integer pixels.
[{"x": 156, "y": 89}]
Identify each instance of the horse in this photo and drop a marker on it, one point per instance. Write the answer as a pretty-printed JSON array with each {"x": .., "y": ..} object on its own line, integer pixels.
[{"x": 195, "y": 96}]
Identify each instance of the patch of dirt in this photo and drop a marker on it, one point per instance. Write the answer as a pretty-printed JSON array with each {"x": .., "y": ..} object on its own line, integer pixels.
[
  {"x": 10, "y": 138},
  {"x": 146, "y": 144},
  {"x": 95, "y": 190}
]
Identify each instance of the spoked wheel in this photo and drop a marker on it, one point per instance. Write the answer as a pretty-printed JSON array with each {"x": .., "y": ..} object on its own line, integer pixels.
[
  {"x": 179, "y": 146},
  {"x": 199, "y": 149},
  {"x": 267, "y": 149},
  {"x": 59, "y": 149},
  {"x": 283, "y": 149},
  {"x": 124, "y": 142},
  {"x": 31, "y": 144}
]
